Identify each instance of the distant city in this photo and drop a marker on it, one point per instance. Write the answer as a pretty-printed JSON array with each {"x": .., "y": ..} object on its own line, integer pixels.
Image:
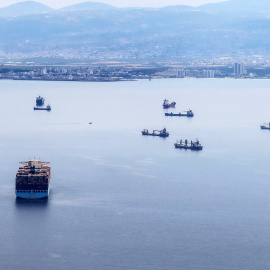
[
  {"x": 98, "y": 42},
  {"x": 119, "y": 71}
]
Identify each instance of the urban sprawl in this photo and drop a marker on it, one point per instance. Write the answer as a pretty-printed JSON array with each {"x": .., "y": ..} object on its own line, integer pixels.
[{"x": 115, "y": 71}]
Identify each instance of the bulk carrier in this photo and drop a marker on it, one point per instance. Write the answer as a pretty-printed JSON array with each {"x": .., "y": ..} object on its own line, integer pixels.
[{"x": 33, "y": 180}]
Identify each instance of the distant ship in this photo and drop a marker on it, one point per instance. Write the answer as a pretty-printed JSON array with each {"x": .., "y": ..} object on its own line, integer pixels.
[
  {"x": 48, "y": 108},
  {"x": 33, "y": 180},
  {"x": 185, "y": 145},
  {"x": 265, "y": 126},
  {"x": 40, "y": 101},
  {"x": 188, "y": 113},
  {"x": 167, "y": 105},
  {"x": 160, "y": 133}
]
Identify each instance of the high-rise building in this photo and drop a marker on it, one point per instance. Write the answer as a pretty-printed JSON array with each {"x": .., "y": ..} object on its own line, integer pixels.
[
  {"x": 43, "y": 71},
  {"x": 181, "y": 73},
  {"x": 239, "y": 69},
  {"x": 208, "y": 73}
]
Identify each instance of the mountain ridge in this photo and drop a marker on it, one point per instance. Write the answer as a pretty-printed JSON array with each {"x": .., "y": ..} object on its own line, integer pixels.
[
  {"x": 88, "y": 6},
  {"x": 137, "y": 33},
  {"x": 232, "y": 7},
  {"x": 24, "y": 8}
]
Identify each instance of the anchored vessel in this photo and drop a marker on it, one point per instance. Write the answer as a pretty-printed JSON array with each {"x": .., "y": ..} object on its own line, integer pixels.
[
  {"x": 185, "y": 145},
  {"x": 40, "y": 101},
  {"x": 188, "y": 113},
  {"x": 33, "y": 180},
  {"x": 265, "y": 126},
  {"x": 48, "y": 108},
  {"x": 167, "y": 105},
  {"x": 160, "y": 133}
]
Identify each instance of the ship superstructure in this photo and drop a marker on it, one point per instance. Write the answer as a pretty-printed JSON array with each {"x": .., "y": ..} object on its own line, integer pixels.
[
  {"x": 167, "y": 105},
  {"x": 40, "y": 101},
  {"x": 33, "y": 179}
]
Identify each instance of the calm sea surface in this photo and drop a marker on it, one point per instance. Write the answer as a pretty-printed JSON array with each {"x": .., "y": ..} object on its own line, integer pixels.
[{"x": 120, "y": 200}]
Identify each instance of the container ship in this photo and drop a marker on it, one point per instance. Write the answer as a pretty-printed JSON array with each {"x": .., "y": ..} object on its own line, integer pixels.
[{"x": 33, "y": 180}]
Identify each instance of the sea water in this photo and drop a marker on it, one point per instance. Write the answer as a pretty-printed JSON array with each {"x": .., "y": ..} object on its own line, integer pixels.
[{"x": 120, "y": 200}]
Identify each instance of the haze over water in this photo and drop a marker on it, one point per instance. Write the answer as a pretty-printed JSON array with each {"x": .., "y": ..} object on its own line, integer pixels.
[{"x": 120, "y": 200}]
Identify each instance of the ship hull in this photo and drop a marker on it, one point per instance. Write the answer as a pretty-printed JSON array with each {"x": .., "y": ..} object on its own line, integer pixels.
[
  {"x": 264, "y": 127},
  {"x": 155, "y": 134},
  {"x": 183, "y": 146},
  {"x": 179, "y": 114},
  {"x": 41, "y": 109},
  {"x": 32, "y": 194}
]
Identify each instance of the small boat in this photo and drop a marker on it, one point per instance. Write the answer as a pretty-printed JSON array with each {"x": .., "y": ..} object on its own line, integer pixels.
[
  {"x": 40, "y": 101},
  {"x": 167, "y": 105},
  {"x": 48, "y": 108},
  {"x": 188, "y": 113},
  {"x": 160, "y": 133},
  {"x": 265, "y": 126},
  {"x": 185, "y": 145}
]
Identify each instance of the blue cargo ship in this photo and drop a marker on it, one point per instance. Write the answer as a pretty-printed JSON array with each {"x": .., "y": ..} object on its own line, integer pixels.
[{"x": 33, "y": 180}]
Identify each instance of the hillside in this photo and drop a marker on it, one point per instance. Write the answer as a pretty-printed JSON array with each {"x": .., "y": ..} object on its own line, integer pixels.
[{"x": 95, "y": 31}]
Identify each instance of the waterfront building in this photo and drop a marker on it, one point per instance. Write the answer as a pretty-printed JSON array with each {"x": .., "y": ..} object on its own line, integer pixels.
[
  {"x": 239, "y": 69},
  {"x": 181, "y": 73},
  {"x": 208, "y": 73}
]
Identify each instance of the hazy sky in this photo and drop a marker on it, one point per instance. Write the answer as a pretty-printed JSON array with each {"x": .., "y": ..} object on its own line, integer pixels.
[{"x": 117, "y": 3}]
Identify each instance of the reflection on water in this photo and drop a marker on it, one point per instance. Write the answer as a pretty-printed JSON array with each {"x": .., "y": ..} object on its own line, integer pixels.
[{"x": 35, "y": 203}]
